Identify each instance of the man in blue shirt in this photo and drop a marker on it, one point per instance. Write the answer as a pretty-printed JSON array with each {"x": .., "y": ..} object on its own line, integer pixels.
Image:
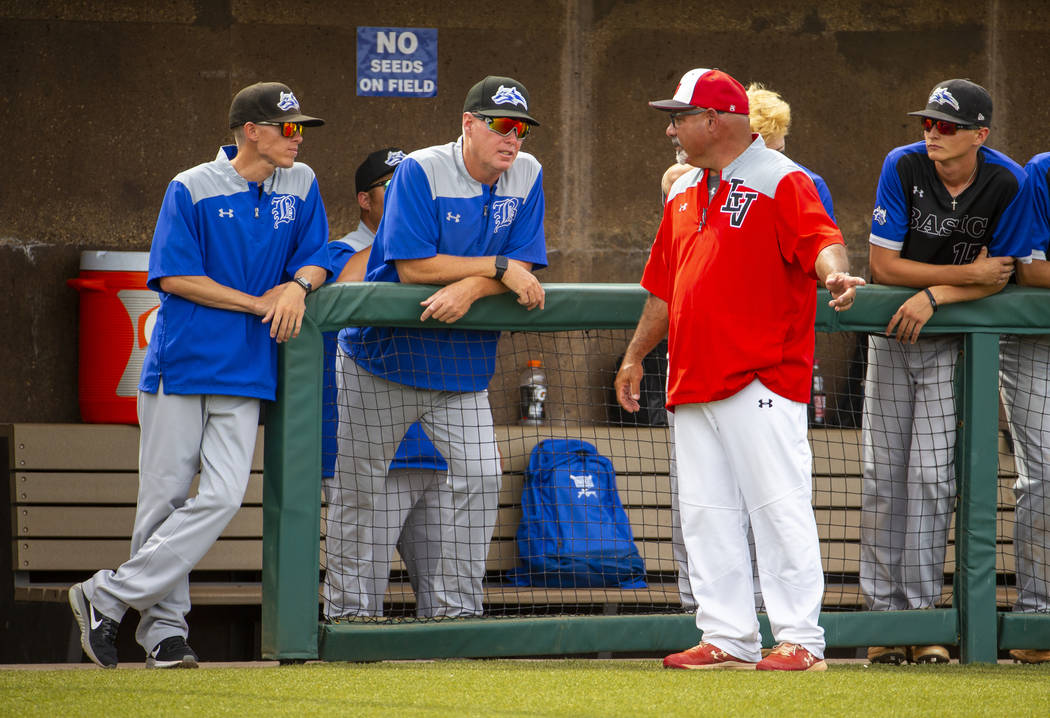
[
  {"x": 468, "y": 216},
  {"x": 239, "y": 243}
]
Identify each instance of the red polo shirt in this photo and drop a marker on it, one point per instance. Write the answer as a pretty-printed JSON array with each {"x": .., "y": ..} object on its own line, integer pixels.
[{"x": 737, "y": 275}]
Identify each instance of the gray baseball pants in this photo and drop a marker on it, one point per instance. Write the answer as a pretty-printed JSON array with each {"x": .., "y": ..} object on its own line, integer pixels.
[
  {"x": 908, "y": 493},
  {"x": 374, "y": 415},
  {"x": 180, "y": 435},
  {"x": 1024, "y": 370}
]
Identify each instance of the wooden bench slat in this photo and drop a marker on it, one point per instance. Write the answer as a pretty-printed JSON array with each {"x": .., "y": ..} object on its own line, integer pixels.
[
  {"x": 111, "y": 522},
  {"x": 121, "y": 488},
  {"x": 83, "y": 447},
  {"x": 228, "y": 594},
  {"x": 112, "y": 488},
  {"x": 89, "y": 555}
]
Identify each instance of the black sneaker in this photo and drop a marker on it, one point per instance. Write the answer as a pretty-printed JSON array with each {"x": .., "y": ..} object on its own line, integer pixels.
[
  {"x": 98, "y": 633},
  {"x": 172, "y": 652}
]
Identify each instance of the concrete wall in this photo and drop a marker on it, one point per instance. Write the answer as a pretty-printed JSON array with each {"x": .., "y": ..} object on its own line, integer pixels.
[{"x": 103, "y": 102}]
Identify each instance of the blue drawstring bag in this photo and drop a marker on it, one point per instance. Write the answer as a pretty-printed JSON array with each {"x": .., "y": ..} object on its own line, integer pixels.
[{"x": 574, "y": 532}]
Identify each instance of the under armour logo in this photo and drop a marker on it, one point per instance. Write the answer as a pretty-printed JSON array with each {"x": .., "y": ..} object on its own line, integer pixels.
[
  {"x": 738, "y": 202},
  {"x": 765, "y": 403},
  {"x": 683, "y": 207},
  {"x": 452, "y": 218},
  {"x": 226, "y": 213},
  {"x": 916, "y": 190}
]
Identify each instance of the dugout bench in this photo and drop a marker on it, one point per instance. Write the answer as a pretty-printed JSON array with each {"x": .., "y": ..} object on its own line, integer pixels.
[{"x": 72, "y": 490}]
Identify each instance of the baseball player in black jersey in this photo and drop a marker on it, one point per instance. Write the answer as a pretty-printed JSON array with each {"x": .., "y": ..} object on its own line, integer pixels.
[{"x": 951, "y": 216}]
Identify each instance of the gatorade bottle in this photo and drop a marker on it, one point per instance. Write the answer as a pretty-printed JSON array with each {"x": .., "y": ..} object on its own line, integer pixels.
[
  {"x": 533, "y": 387},
  {"x": 819, "y": 400}
]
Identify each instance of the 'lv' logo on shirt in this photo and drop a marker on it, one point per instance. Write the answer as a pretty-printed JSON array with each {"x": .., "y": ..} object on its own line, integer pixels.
[{"x": 738, "y": 202}]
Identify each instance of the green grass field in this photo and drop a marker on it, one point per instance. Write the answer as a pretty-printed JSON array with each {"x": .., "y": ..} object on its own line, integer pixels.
[{"x": 528, "y": 688}]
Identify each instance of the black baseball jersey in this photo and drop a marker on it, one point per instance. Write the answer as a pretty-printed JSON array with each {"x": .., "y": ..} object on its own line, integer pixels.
[{"x": 915, "y": 215}]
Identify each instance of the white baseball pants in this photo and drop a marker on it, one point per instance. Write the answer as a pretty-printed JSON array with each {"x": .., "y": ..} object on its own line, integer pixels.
[{"x": 746, "y": 459}]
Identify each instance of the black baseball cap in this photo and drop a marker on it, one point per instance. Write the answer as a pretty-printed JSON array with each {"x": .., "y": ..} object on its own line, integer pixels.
[
  {"x": 959, "y": 101},
  {"x": 268, "y": 102},
  {"x": 376, "y": 166},
  {"x": 499, "y": 97}
]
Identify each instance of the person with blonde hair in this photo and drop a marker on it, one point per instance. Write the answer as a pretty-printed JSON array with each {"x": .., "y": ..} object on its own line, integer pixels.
[{"x": 771, "y": 117}]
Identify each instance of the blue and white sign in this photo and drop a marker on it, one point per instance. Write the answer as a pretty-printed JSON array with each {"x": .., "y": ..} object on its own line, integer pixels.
[{"x": 397, "y": 61}]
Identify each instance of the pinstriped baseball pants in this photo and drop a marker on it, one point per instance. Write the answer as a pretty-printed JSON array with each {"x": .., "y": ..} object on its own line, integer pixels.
[
  {"x": 1024, "y": 373},
  {"x": 908, "y": 490}
]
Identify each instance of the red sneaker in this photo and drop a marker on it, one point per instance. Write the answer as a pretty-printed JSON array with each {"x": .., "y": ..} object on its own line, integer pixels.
[
  {"x": 706, "y": 656},
  {"x": 791, "y": 657}
]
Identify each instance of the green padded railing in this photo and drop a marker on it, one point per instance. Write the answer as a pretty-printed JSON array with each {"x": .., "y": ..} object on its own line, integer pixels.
[{"x": 292, "y": 488}]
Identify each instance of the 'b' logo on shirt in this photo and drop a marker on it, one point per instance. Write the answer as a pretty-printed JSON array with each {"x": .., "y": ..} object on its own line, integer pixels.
[
  {"x": 738, "y": 202},
  {"x": 504, "y": 212},
  {"x": 282, "y": 207}
]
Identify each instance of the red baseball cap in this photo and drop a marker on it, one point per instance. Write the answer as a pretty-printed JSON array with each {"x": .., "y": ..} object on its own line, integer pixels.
[{"x": 709, "y": 89}]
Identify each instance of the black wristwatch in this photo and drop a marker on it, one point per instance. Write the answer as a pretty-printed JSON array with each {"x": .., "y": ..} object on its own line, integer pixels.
[
  {"x": 501, "y": 268},
  {"x": 305, "y": 284}
]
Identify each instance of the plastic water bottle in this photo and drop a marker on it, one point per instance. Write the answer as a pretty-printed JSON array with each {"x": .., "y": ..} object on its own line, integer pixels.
[
  {"x": 818, "y": 403},
  {"x": 533, "y": 386}
]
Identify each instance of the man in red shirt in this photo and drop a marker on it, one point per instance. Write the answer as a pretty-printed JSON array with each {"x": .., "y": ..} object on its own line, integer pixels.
[{"x": 732, "y": 277}]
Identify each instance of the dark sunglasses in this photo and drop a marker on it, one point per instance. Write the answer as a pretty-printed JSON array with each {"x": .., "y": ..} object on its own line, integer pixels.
[
  {"x": 503, "y": 125},
  {"x": 944, "y": 127},
  {"x": 288, "y": 129},
  {"x": 384, "y": 184}
]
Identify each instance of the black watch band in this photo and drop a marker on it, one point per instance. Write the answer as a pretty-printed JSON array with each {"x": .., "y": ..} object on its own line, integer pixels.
[
  {"x": 501, "y": 268},
  {"x": 304, "y": 284}
]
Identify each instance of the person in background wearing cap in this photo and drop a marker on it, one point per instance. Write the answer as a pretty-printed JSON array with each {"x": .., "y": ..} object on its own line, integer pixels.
[
  {"x": 950, "y": 217},
  {"x": 739, "y": 373},
  {"x": 224, "y": 307},
  {"x": 1024, "y": 373},
  {"x": 408, "y": 513},
  {"x": 467, "y": 215}
]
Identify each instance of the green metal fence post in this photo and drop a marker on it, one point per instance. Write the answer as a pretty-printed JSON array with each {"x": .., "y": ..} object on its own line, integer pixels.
[
  {"x": 292, "y": 501},
  {"x": 978, "y": 456}
]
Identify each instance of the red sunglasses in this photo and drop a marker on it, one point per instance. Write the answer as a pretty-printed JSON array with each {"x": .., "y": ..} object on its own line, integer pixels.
[
  {"x": 944, "y": 127},
  {"x": 503, "y": 125},
  {"x": 288, "y": 129}
]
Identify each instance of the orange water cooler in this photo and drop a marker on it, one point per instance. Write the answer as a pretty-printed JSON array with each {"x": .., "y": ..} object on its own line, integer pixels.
[{"x": 117, "y": 313}]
